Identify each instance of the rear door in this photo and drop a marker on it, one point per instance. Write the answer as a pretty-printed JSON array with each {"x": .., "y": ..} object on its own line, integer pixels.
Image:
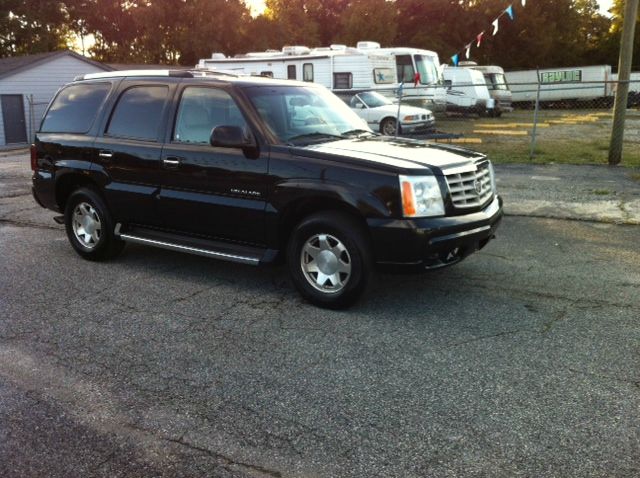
[
  {"x": 128, "y": 150},
  {"x": 206, "y": 190}
]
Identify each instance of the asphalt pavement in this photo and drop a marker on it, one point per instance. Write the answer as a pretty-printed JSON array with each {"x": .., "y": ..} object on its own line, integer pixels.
[{"x": 523, "y": 360}]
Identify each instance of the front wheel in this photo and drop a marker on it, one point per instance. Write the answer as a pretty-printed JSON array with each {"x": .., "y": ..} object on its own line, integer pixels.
[
  {"x": 89, "y": 226},
  {"x": 329, "y": 260},
  {"x": 388, "y": 127}
]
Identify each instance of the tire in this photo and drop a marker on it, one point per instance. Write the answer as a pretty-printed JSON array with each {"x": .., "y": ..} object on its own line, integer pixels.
[
  {"x": 89, "y": 226},
  {"x": 341, "y": 277},
  {"x": 388, "y": 127}
]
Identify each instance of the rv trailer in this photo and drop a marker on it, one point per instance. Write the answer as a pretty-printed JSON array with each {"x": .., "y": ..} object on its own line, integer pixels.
[
  {"x": 343, "y": 70},
  {"x": 420, "y": 73},
  {"x": 496, "y": 83},
  {"x": 563, "y": 86}
]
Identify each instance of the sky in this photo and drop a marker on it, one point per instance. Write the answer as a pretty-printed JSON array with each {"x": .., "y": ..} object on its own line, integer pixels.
[{"x": 257, "y": 6}]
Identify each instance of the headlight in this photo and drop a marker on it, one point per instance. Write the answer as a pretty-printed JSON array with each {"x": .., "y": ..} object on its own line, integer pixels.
[
  {"x": 421, "y": 196},
  {"x": 492, "y": 175},
  {"x": 411, "y": 118}
]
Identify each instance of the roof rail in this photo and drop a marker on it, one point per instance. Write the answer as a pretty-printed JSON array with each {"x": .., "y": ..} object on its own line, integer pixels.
[
  {"x": 191, "y": 73},
  {"x": 117, "y": 74}
]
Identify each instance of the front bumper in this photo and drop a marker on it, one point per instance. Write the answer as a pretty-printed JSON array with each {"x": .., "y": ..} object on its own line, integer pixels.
[
  {"x": 434, "y": 242},
  {"x": 419, "y": 126}
]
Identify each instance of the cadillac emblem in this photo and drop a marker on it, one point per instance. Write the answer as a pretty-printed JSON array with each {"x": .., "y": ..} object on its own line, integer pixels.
[{"x": 477, "y": 185}]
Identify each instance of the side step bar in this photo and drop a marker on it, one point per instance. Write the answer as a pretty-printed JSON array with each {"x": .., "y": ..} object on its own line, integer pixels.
[{"x": 198, "y": 247}]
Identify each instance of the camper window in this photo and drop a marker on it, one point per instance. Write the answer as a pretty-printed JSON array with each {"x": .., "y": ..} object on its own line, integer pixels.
[
  {"x": 406, "y": 74},
  {"x": 382, "y": 75},
  {"x": 342, "y": 81},
  {"x": 291, "y": 72},
  {"x": 307, "y": 72},
  {"x": 268, "y": 74}
]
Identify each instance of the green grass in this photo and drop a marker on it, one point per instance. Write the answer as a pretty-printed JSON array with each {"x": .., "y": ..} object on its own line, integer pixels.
[
  {"x": 583, "y": 143},
  {"x": 601, "y": 192}
]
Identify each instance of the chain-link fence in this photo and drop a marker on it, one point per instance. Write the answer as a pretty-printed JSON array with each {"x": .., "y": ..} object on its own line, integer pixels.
[
  {"x": 35, "y": 112},
  {"x": 547, "y": 123}
]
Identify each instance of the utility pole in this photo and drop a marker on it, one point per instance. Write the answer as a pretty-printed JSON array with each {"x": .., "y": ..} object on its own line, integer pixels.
[{"x": 624, "y": 70}]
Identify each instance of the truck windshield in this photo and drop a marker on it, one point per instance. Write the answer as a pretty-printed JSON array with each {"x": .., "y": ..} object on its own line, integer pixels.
[
  {"x": 427, "y": 69},
  {"x": 299, "y": 114},
  {"x": 496, "y": 81}
]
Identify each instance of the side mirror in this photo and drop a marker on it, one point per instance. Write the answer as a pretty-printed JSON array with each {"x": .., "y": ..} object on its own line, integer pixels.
[{"x": 233, "y": 137}]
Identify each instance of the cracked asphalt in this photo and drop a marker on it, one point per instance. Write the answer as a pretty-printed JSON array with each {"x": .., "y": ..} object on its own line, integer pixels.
[{"x": 523, "y": 360}]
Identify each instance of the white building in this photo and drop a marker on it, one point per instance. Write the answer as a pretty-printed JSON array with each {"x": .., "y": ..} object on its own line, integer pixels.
[{"x": 27, "y": 84}]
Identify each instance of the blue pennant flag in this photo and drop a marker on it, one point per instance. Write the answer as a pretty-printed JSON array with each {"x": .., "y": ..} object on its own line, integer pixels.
[
  {"x": 455, "y": 59},
  {"x": 509, "y": 11}
]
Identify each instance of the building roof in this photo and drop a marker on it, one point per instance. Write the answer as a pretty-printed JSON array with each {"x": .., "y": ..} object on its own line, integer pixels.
[{"x": 14, "y": 64}]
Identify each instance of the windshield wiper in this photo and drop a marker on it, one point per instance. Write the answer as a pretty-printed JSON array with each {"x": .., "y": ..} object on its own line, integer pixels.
[
  {"x": 314, "y": 135},
  {"x": 357, "y": 132}
]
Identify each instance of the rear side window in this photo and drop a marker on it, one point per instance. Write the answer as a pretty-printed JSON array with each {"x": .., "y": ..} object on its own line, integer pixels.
[
  {"x": 138, "y": 113},
  {"x": 75, "y": 108}
]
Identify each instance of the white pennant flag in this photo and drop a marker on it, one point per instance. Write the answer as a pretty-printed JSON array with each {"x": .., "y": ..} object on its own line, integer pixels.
[
  {"x": 468, "y": 53},
  {"x": 495, "y": 26},
  {"x": 524, "y": 3}
]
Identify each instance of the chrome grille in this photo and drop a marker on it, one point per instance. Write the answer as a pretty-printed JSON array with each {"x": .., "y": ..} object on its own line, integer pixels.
[{"x": 464, "y": 186}]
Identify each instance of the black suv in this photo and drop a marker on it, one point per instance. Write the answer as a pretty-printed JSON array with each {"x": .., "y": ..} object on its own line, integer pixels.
[{"x": 253, "y": 170}]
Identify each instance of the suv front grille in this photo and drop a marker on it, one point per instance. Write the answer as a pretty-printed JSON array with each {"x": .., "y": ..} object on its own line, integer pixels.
[{"x": 470, "y": 188}]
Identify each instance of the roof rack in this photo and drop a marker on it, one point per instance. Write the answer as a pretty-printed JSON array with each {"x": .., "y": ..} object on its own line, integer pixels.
[{"x": 198, "y": 72}]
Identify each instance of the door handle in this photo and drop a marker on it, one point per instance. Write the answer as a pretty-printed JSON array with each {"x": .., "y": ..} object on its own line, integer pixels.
[
  {"x": 172, "y": 161},
  {"x": 105, "y": 154}
]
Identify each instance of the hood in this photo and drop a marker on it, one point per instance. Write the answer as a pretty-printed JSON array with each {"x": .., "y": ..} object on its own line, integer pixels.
[{"x": 397, "y": 153}]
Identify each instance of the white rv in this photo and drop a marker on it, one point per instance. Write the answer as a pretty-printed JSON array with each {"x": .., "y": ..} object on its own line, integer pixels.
[
  {"x": 419, "y": 71},
  {"x": 467, "y": 91},
  {"x": 563, "y": 85},
  {"x": 337, "y": 67},
  {"x": 496, "y": 83}
]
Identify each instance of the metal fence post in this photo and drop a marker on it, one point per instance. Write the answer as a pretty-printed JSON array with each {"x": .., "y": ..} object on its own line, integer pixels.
[
  {"x": 535, "y": 118},
  {"x": 398, "y": 115},
  {"x": 32, "y": 120}
]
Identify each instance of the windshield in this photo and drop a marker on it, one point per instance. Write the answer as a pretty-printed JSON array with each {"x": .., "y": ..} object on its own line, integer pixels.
[
  {"x": 427, "y": 69},
  {"x": 301, "y": 114},
  {"x": 373, "y": 99},
  {"x": 496, "y": 81}
]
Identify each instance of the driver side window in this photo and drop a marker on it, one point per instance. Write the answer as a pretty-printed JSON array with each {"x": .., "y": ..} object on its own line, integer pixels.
[{"x": 202, "y": 109}]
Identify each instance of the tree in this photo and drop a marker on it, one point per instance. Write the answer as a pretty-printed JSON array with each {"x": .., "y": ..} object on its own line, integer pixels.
[
  {"x": 32, "y": 26},
  {"x": 374, "y": 20}
]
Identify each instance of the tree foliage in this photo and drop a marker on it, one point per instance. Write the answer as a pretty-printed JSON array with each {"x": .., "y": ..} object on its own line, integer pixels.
[{"x": 544, "y": 33}]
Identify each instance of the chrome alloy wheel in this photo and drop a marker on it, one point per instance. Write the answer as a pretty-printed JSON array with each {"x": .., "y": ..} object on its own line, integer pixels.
[
  {"x": 326, "y": 263},
  {"x": 86, "y": 225}
]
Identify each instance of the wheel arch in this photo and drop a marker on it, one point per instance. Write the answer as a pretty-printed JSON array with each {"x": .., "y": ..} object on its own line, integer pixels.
[
  {"x": 303, "y": 208},
  {"x": 71, "y": 181}
]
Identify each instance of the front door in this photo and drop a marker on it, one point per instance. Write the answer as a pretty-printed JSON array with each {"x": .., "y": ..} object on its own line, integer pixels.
[
  {"x": 15, "y": 126},
  {"x": 206, "y": 190}
]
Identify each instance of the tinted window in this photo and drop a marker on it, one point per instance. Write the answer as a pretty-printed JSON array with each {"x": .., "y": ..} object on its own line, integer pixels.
[
  {"x": 307, "y": 72},
  {"x": 342, "y": 81},
  {"x": 75, "y": 108},
  {"x": 291, "y": 72},
  {"x": 201, "y": 110},
  {"x": 139, "y": 112}
]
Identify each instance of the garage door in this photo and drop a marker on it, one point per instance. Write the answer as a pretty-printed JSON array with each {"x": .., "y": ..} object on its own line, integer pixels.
[{"x": 15, "y": 130}]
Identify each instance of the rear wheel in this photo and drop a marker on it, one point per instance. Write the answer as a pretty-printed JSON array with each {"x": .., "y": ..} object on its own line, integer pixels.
[
  {"x": 89, "y": 226},
  {"x": 329, "y": 260}
]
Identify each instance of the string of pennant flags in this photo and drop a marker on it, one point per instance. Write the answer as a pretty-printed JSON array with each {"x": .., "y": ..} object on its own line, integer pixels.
[{"x": 455, "y": 59}]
